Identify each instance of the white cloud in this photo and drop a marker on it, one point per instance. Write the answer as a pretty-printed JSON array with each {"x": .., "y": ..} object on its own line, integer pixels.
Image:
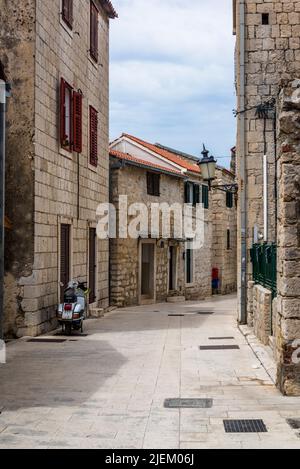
[{"x": 172, "y": 71}]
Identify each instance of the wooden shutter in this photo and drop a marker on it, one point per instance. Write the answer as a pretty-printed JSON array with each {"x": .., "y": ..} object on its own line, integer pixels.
[
  {"x": 94, "y": 32},
  {"x": 67, "y": 12},
  {"x": 93, "y": 136},
  {"x": 156, "y": 184},
  {"x": 62, "y": 111},
  {"x": 196, "y": 194},
  {"x": 205, "y": 197},
  {"x": 92, "y": 264},
  {"x": 64, "y": 257},
  {"x": 229, "y": 199},
  {"x": 149, "y": 184},
  {"x": 77, "y": 122}
]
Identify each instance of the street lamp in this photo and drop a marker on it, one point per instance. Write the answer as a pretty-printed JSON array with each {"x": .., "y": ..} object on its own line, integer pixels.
[{"x": 208, "y": 166}]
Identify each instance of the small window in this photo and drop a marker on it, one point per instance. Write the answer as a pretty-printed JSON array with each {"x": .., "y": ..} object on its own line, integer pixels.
[
  {"x": 205, "y": 196},
  {"x": 67, "y": 12},
  {"x": 228, "y": 240},
  {"x": 265, "y": 18},
  {"x": 192, "y": 193},
  {"x": 94, "y": 32},
  {"x": 153, "y": 184},
  {"x": 66, "y": 115},
  {"x": 93, "y": 137},
  {"x": 70, "y": 118},
  {"x": 229, "y": 199}
]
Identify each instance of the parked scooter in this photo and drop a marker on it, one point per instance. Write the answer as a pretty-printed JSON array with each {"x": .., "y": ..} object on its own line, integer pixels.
[{"x": 72, "y": 312}]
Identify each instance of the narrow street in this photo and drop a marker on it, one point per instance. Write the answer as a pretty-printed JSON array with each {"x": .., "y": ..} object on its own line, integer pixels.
[{"x": 107, "y": 390}]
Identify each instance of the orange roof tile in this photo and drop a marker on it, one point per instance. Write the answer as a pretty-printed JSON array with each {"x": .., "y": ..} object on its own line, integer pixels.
[
  {"x": 194, "y": 168},
  {"x": 139, "y": 161}
]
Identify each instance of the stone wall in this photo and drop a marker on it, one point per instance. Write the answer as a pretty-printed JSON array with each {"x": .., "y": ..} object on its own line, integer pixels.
[
  {"x": 17, "y": 46},
  {"x": 262, "y": 313},
  {"x": 223, "y": 219},
  {"x": 272, "y": 69},
  {"x": 288, "y": 320},
  {"x": 49, "y": 195},
  {"x": 124, "y": 253}
]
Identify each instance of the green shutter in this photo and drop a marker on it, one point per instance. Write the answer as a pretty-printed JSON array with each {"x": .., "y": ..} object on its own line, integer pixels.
[{"x": 205, "y": 197}]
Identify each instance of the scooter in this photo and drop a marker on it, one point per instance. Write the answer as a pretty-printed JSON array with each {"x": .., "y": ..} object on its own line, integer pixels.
[{"x": 72, "y": 312}]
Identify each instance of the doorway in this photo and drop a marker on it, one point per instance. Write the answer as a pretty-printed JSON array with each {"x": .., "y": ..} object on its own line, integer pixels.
[
  {"x": 65, "y": 263},
  {"x": 147, "y": 272},
  {"x": 92, "y": 264},
  {"x": 172, "y": 268}
]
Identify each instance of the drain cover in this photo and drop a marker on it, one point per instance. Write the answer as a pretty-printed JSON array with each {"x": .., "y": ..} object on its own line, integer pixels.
[
  {"x": 219, "y": 347},
  {"x": 245, "y": 426},
  {"x": 176, "y": 315},
  {"x": 294, "y": 423},
  {"x": 47, "y": 341},
  {"x": 204, "y": 313},
  {"x": 188, "y": 403},
  {"x": 221, "y": 338}
]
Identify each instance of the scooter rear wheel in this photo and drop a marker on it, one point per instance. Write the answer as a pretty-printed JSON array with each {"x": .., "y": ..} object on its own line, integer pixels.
[{"x": 68, "y": 328}]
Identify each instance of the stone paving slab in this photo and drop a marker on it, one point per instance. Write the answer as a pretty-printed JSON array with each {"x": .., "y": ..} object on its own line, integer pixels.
[{"x": 107, "y": 390}]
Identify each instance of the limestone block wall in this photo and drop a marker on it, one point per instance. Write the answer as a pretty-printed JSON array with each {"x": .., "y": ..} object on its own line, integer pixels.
[
  {"x": 262, "y": 313},
  {"x": 288, "y": 304},
  {"x": 272, "y": 53},
  {"x": 54, "y": 186},
  {"x": 124, "y": 253},
  {"x": 223, "y": 219}
]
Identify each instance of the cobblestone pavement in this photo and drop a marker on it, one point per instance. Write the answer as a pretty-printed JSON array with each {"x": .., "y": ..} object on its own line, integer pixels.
[{"x": 107, "y": 390}]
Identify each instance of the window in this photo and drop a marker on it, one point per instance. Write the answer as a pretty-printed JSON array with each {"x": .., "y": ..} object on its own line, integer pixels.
[
  {"x": 93, "y": 136},
  {"x": 67, "y": 12},
  {"x": 228, "y": 240},
  {"x": 66, "y": 115},
  {"x": 70, "y": 118},
  {"x": 265, "y": 18},
  {"x": 94, "y": 32},
  {"x": 153, "y": 184},
  {"x": 229, "y": 199},
  {"x": 192, "y": 193},
  {"x": 189, "y": 269},
  {"x": 205, "y": 196}
]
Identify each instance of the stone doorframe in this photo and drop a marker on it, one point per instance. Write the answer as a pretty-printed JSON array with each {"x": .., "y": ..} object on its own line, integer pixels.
[{"x": 142, "y": 301}]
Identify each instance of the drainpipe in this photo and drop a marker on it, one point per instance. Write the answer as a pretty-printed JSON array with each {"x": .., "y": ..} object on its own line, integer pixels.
[
  {"x": 2, "y": 198},
  {"x": 242, "y": 146}
]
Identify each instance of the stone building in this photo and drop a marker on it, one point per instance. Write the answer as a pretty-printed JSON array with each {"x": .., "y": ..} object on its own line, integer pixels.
[
  {"x": 55, "y": 54},
  {"x": 157, "y": 268},
  {"x": 268, "y": 167},
  {"x": 224, "y": 228}
]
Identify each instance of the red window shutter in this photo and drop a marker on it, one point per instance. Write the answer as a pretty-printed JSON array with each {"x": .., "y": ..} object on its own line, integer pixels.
[
  {"x": 77, "y": 122},
  {"x": 67, "y": 12},
  {"x": 93, "y": 136},
  {"x": 62, "y": 111},
  {"x": 94, "y": 32}
]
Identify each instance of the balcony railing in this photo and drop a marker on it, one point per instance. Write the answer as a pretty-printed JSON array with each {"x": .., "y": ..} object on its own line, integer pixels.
[{"x": 264, "y": 261}]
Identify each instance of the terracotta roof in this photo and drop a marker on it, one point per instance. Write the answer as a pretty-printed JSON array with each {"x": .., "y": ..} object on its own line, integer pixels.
[
  {"x": 108, "y": 7},
  {"x": 127, "y": 157},
  {"x": 175, "y": 158}
]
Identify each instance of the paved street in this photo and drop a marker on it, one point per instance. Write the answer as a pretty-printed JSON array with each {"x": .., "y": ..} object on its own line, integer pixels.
[{"x": 107, "y": 390}]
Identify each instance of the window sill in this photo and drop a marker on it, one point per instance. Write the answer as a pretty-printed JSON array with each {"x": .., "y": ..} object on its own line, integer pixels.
[
  {"x": 93, "y": 168},
  {"x": 66, "y": 153},
  {"x": 93, "y": 62},
  {"x": 66, "y": 27}
]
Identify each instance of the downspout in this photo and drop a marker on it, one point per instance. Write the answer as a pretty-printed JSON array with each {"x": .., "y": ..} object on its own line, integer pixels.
[
  {"x": 2, "y": 198},
  {"x": 242, "y": 148}
]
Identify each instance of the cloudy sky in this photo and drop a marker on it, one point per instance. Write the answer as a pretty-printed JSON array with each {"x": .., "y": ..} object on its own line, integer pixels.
[{"x": 172, "y": 73}]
